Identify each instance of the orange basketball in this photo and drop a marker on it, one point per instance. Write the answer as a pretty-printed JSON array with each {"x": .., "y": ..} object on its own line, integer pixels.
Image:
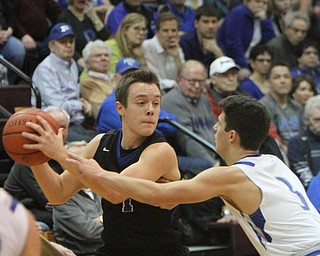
[{"x": 13, "y": 141}]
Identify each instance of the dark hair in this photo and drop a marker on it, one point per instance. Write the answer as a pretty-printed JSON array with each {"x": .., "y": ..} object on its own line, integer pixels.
[
  {"x": 305, "y": 45},
  {"x": 166, "y": 16},
  {"x": 296, "y": 81},
  {"x": 259, "y": 49},
  {"x": 277, "y": 64},
  {"x": 206, "y": 10},
  {"x": 248, "y": 117},
  {"x": 138, "y": 76}
]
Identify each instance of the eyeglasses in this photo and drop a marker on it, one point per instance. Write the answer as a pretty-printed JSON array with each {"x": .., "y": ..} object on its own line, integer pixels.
[
  {"x": 193, "y": 82},
  {"x": 139, "y": 29},
  {"x": 296, "y": 30},
  {"x": 263, "y": 60}
]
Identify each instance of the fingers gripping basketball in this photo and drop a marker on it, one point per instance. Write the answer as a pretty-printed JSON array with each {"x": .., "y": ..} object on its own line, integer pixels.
[{"x": 13, "y": 141}]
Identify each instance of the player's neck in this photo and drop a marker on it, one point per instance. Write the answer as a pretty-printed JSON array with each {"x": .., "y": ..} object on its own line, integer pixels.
[
  {"x": 237, "y": 156},
  {"x": 131, "y": 141}
]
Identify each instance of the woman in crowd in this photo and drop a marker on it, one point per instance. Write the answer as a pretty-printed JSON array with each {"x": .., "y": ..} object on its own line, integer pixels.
[
  {"x": 128, "y": 40},
  {"x": 303, "y": 88}
]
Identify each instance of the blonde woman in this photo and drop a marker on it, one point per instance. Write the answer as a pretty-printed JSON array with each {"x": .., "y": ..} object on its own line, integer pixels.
[{"x": 128, "y": 40}]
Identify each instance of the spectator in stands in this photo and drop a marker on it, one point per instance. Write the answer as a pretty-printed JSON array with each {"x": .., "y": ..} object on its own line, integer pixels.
[
  {"x": 184, "y": 13},
  {"x": 163, "y": 52},
  {"x": 256, "y": 84},
  {"x": 308, "y": 62},
  {"x": 96, "y": 82},
  {"x": 223, "y": 6},
  {"x": 101, "y": 6},
  {"x": 244, "y": 27},
  {"x": 303, "y": 88},
  {"x": 278, "y": 10},
  {"x": 285, "y": 46},
  {"x": 11, "y": 47},
  {"x": 86, "y": 24},
  {"x": 21, "y": 183},
  {"x": 57, "y": 81},
  {"x": 223, "y": 82},
  {"x": 34, "y": 20},
  {"x": 78, "y": 222},
  {"x": 18, "y": 232},
  {"x": 128, "y": 40},
  {"x": 285, "y": 113},
  {"x": 121, "y": 10},
  {"x": 192, "y": 109},
  {"x": 303, "y": 149},
  {"x": 200, "y": 44}
]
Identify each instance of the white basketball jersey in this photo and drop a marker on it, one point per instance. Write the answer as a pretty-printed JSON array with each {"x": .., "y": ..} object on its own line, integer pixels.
[
  {"x": 286, "y": 222},
  {"x": 13, "y": 225}
]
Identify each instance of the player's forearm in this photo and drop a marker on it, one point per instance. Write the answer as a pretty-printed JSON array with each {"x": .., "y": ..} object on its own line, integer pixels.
[{"x": 50, "y": 183}]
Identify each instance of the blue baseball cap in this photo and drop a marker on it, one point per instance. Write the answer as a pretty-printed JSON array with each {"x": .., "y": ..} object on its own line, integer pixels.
[
  {"x": 126, "y": 64},
  {"x": 59, "y": 31}
]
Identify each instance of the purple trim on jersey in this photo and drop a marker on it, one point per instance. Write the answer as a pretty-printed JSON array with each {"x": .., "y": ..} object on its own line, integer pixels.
[
  {"x": 314, "y": 253},
  {"x": 123, "y": 160},
  {"x": 13, "y": 205},
  {"x": 247, "y": 162}
]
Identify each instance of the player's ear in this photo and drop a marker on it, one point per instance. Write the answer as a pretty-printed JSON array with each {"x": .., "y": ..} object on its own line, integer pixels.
[
  {"x": 120, "y": 108},
  {"x": 232, "y": 135}
]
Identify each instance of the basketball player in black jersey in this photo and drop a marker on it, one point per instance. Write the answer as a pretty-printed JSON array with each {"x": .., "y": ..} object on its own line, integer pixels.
[{"x": 130, "y": 228}]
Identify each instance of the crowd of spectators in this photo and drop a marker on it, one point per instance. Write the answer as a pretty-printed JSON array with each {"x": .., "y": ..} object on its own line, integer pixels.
[{"x": 201, "y": 51}]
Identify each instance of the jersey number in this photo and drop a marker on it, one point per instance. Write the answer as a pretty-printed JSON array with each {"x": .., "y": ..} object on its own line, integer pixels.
[
  {"x": 303, "y": 200},
  {"x": 127, "y": 206}
]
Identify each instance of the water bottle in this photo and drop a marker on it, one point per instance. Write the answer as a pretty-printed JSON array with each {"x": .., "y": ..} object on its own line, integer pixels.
[{"x": 3, "y": 75}]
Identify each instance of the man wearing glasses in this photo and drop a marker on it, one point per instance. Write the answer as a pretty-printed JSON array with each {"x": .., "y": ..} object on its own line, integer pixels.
[
  {"x": 192, "y": 108},
  {"x": 284, "y": 47}
]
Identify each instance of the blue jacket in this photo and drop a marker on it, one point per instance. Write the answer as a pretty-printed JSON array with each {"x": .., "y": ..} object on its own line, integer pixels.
[
  {"x": 236, "y": 31},
  {"x": 109, "y": 119},
  {"x": 190, "y": 45}
]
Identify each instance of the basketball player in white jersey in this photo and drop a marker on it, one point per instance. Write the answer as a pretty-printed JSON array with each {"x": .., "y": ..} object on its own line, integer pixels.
[
  {"x": 266, "y": 197},
  {"x": 18, "y": 231}
]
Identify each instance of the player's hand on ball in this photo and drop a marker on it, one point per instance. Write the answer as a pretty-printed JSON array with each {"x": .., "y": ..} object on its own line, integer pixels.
[{"x": 47, "y": 141}]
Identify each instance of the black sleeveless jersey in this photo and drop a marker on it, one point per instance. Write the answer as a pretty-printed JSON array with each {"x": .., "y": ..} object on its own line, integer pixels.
[{"x": 131, "y": 225}]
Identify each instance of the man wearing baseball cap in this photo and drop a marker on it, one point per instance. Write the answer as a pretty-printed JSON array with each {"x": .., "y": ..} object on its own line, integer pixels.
[
  {"x": 223, "y": 82},
  {"x": 57, "y": 80}
]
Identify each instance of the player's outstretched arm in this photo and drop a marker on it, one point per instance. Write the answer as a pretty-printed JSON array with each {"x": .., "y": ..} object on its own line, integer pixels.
[{"x": 204, "y": 186}]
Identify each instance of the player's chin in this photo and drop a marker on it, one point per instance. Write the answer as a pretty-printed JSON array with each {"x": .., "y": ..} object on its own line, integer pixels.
[{"x": 147, "y": 131}]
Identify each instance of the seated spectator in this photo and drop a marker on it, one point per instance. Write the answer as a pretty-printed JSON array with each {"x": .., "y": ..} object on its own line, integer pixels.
[
  {"x": 101, "y": 6},
  {"x": 192, "y": 109},
  {"x": 184, "y": 13},
  {"x": 128, "y": 41},
  {"x": 256, "y": 84},
  {"x": 308, "y": 62},
  {"x": 285, "y": 113},
  {"x": 303, "y": 88},
  {"x": 122, "y": 9},
  {"x": 11, "y": 48},
  {"x": 200, "y": 44},
  {"x": 21, "y": 183},
  {"x": 86, "y": 24},
  {"x": 244, "y": 27},
  {"x": 223, "y": 6},
  {"x": 303, "y": 149},
  {"x": 33, "y": 25},
  {"x": 223, "y": 82},
  {"x": 285, "y": 46},
  {"x": 57, "y": 80},
  {"x": 96, "y": 80},
  {"x": 163, "y": 52},
  {"x": 278, "y": 10},
  {"x": 77, "y": 222},
  {"x": 18, "y": 232}
]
